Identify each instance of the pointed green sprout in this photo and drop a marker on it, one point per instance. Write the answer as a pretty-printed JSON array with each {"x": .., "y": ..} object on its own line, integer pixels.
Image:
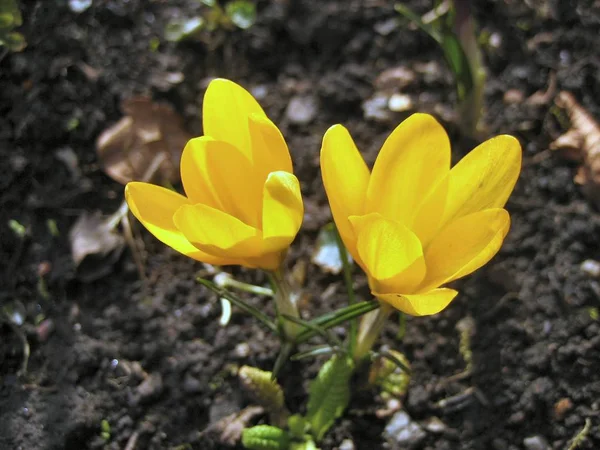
[{"x": 453, "y": 28}]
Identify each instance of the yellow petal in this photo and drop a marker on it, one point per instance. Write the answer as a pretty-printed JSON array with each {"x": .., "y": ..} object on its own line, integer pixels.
[
  {"x": 154, "y": 207},
  {"x": 428, "y": 217},
  {"x": 268, "y": 261},
  {"x": 390, "y": 253},
  {"x": 426, "y": 304},
  {"x": 464, "y": 245},
  {"x": 413, "y": 159},
  {"x": 195, "y": 174},
  {"x": 345, "y": 177},
  {"x": 225, "y": 112},
  {"x": 218, "y": 233},
  {"x": 484, "y": 178},
  {"x": 269, "y": 150},
  {"x": 229, "y": 176},
  {"x": 282, "y": 209}
]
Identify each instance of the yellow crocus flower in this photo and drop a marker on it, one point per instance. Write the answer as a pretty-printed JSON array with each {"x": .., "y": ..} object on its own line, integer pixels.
[
  {"x": 413, "y": 224},
  {"x": 242, "y": 203}
]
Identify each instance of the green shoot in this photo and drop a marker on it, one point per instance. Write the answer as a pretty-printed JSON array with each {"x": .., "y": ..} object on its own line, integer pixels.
[
  {"x": 213, "y": 21},
  {"x": 246, "y": 307},
  {"x": 349, "y": 288},
  {"x": 453, "y": 28}
]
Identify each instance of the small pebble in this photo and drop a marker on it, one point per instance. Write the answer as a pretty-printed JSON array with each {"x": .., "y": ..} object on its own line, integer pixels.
[
  {"x": 435, "y": 425},
  {"x": 347, "y": 444},
  {"x": 400, "y": 103},
  {"x": 301, "y": 110},
  {"x": 495, "y": 40},
  {"x": 259, "y": 92},
  {"x": 174, "y": 77},
  {"x": 536, "y": 443},
  {"x": 79, "y": 6},
  {"x": 242, "y": 350},
  {"x": 591, "y": 268},
  {"x": 376, "y": 108},
  {"x": 401, "y": 430},
  {"x": 513, "y": 96},
  {"x": 385, "y": 27},
  {"x": 191, "y": 384},
  {"x": 395, "y": 78}
]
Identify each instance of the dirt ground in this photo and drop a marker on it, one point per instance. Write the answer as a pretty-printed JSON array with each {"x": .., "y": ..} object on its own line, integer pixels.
[{"x": 150, "y": 358}]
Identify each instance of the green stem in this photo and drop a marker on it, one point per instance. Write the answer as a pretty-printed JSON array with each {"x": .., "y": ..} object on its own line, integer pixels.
[
  {"x": 284, "y": 304},
  {"x": 246, "y": 307},
  {"x": 332, "y": 319},
  {"x": 401, "y": 326},
  {"x": 371, "y": 326},
  {"x": 347, "y": 269},
  {"x": 472, "y": 102},
  {"x": 225, "y": 280}
]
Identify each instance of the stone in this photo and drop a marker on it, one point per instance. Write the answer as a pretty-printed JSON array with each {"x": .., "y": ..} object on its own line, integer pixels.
[{"x": 402, "y": 432}]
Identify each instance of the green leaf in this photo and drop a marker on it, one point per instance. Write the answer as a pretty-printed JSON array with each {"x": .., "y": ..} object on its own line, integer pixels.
[
  {"x": 459, "y": 64},
  {"x": 297, "y": 425},
  {"x": 10, "y": 14},
  {"x": 428, "y": 28},
  {"x": 331, "y": 339},
  {"x": 242, "y": 13},
  {"x": 6, "y": 20},
  {"x": 265, "y": 437},
  {"x": 329, "y": 394},
  {"x": 308, "y": 444},
  {"x": 315, "y": 351},
  {"x": 14, "y": 41},
  {"x": 335, "y": 318}
]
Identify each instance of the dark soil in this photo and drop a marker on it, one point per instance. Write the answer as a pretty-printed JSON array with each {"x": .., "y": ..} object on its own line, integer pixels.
[{"x": 151, "y": 359}]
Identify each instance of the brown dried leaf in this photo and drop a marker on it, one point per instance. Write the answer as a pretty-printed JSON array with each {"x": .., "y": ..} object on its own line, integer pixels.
[
  {"x": 127, "y": 149},
  {"x": 228, "y": 430},
  {"x": 95, "y": 246},
  {"x": 584, "y": 138},
  {"x": 540, "y": 98}
]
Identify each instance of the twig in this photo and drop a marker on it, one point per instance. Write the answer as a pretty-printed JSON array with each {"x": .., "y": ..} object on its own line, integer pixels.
[
  {"x": 132, "y": 441},
  {"x": 579, "y": 437}
]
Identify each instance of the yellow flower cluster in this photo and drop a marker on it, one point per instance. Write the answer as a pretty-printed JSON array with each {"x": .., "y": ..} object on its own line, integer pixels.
[{"x": 412, "y": 224}]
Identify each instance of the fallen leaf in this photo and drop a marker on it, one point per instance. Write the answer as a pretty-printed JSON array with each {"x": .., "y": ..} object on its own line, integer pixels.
[
  {"x": 95, "y": 246},
  {"x": 229, "y": 429},
  {"x": 544, "y": 97},
  {"x": 127, "y": 148},
  {"x": 581, "y": 141}
]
